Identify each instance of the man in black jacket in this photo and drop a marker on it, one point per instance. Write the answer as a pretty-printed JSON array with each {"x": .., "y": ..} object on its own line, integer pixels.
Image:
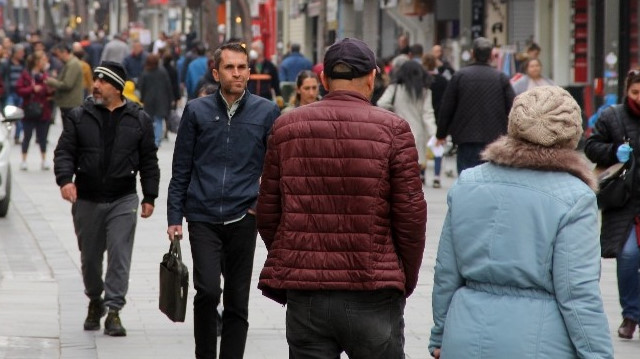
[
  {"x": 475, "y": 106},
  {"x": 104, "y": 144},
  {"x": 217, "y": 163}
]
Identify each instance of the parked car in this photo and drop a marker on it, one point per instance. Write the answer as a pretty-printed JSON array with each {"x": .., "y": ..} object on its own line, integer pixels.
[{"x": 10, "y": 114}]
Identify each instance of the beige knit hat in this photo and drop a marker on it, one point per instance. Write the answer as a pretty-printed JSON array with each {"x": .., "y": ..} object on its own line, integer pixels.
[{"x": 547, "y": 116}]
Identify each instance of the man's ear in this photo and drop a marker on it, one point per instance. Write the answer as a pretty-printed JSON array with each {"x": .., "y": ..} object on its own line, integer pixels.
[
  {"x": 324, "y": 80},
  {"x": 215, "y": 74},
  {"x": 371, "y": 79}
]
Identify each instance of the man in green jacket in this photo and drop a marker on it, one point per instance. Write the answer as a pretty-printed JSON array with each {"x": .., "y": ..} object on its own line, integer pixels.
[{"x": 68, "y": 84}]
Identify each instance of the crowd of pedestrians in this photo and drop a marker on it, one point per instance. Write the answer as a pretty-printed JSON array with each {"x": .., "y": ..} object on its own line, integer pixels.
[{"x": 333, "y": 179}]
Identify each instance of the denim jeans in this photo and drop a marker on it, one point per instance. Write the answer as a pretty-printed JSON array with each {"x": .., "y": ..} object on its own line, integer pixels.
[
  {"x": 629, "y": 279},
  {"x": 211, "y": 244},
  {"x": 469, "y": 155},
  {"x": 437, "y": 165},
  {"x": 364, "y": 324},
  {"x": 158, "y": 129}
]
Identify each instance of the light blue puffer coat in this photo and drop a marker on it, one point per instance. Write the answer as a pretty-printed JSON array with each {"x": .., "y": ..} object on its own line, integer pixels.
[{"x": 518, "y": 268}]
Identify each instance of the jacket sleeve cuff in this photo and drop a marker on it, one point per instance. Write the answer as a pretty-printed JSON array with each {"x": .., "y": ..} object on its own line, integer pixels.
[
  {"x": 150, "y": 200},
  {"x": 64, "y": 181}
]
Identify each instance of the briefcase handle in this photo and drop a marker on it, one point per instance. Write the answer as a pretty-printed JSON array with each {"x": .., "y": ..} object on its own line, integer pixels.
[{"x": 174, "y": 247}]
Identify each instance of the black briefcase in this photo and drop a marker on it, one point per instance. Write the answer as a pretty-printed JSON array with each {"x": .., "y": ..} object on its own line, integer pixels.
[{"x": 174, "y": 283}]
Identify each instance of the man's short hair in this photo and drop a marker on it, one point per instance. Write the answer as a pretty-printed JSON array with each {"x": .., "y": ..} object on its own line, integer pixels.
[
  {"x": 482, "y": 49},
  {"x": 231, "y": 46},
  {"x": 417, "y": 50},
  {"x": 533, "y": 47},
  {"x": 354, "y": 54},
  {"x": 62, "y": 46},
  {"x": 295, "y": 47}
]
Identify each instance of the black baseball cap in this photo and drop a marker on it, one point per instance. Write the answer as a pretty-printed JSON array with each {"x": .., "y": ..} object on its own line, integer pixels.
[{"x": 353, "y": 53}]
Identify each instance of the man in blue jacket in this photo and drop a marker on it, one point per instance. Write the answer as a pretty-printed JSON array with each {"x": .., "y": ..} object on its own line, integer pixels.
[
  {"x": 293, "y": 64},
  {"x": 217, "y": 163}
]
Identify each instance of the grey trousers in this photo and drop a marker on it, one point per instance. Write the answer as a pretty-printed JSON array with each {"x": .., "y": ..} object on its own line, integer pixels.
[{"x": 111, "y": 227}]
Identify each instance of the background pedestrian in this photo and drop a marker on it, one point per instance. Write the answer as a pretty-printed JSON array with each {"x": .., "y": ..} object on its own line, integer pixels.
[
  {"x": 156, "y": 94},
  {"x": 532, "y": 77},
  {"x": 69, "y": 83},
  {"x": 307, "y": 89},
  {"x": 615, "y": 139},
  {"x": 409, "y": 97},
  {"x": 36, "y": 95},
  {"x": 475, "y": 106}
]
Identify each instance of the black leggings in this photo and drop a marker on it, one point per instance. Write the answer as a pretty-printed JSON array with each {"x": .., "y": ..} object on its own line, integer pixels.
[{"x": 42, "y": 130}]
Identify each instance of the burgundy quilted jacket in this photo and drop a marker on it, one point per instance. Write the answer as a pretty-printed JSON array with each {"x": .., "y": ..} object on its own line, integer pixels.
[{"x": 341, "y": 205}]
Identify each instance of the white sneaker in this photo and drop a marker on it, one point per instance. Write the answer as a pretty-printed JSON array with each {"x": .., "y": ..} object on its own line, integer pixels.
[
  {"x": 46, "y": 165},
  {"x": 23, "y": 166}
]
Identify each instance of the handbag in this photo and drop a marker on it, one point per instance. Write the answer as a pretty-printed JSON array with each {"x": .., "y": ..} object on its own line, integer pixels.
[
  {"x": 615, "y": 182},
  {"x": 173, "y": 122},
  {"x": 174, "y": 283},
  {"x": 393, "y": 99},
  {"x": 615, "y": 185},
  {"x": 33, "y": 111}
]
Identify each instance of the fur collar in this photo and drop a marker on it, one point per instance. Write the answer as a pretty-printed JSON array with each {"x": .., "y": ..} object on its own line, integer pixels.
[{"x": 512, "y": 152}]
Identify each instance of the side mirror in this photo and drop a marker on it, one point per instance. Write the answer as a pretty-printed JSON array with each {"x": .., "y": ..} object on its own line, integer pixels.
[{"x": 12, "y": 113}]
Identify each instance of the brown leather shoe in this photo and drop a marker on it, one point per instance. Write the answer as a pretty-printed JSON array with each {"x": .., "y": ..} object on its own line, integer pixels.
[{"x": 627, "y": 328}]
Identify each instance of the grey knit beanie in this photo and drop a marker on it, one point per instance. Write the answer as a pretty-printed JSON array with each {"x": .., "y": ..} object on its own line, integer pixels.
[{"x": 547, "y": 116}]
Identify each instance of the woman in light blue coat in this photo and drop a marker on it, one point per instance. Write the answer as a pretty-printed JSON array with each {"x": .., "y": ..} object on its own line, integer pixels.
[{"x": 518, "y": 262}]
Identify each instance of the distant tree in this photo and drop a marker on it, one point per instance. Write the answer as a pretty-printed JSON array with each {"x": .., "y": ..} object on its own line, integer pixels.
[{"x": 210, "y": 12}]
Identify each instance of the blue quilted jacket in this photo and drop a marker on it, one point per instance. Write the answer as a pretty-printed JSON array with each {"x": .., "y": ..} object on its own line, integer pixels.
[{"x": 518, "y": 267}]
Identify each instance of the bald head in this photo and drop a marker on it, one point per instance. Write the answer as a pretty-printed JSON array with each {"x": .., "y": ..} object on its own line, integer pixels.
[
  {"x": 362, "y": 85},
  {"x": 76, "y": 47},
  {"x": 436, "y": 50}
]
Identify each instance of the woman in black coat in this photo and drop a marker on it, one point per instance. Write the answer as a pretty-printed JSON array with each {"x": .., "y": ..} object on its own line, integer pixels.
[
  {"x": 156, "y": 94},
  {"x": 620, "y": 233}
]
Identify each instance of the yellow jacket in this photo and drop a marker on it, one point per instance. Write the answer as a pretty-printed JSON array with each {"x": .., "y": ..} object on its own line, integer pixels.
[{"x": 129, "y": 92}]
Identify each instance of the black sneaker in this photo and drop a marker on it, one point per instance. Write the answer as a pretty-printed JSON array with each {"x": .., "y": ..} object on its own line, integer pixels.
[
  {"x": 96, "y": 311},
  {"x": 436, "y": 183},
  {"x": 112, "y": 325}
]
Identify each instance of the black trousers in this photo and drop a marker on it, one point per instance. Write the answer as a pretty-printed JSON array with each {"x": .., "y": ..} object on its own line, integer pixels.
[
  {"x": 234, "y": 245},
  {"x": 469, "y": 155},
  {"x": 364, "y": 324}
]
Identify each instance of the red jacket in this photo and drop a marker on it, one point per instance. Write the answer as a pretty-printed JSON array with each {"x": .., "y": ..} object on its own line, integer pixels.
[
  {"x": 25, "y": 88},
  {"x": 341, "y": 205}
]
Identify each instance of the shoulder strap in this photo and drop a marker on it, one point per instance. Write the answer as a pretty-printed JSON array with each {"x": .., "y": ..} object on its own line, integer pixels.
[
  {"x": 617, "y": 111},
  {"x": 393, "y": 98}
]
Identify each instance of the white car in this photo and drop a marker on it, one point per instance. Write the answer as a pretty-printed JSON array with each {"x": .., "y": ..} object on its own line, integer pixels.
[{"x": 10, "y": 115}]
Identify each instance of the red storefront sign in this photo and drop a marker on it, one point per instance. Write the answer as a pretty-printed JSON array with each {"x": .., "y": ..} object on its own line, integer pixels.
[
  {"x": 264, "y": 27},
  {"x": 580, "y": 41}
]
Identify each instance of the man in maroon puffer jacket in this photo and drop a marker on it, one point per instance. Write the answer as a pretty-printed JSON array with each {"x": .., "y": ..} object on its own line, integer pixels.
[{"x": 343, "y": 216}]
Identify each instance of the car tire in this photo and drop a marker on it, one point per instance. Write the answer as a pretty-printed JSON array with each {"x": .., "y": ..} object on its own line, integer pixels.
[{"x": 4, "y": 204}]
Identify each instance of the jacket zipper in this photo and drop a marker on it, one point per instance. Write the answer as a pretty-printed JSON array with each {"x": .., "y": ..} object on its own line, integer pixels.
[
  {"x": 224, "y": 173},
  {"x": 115, "y": 136}
]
